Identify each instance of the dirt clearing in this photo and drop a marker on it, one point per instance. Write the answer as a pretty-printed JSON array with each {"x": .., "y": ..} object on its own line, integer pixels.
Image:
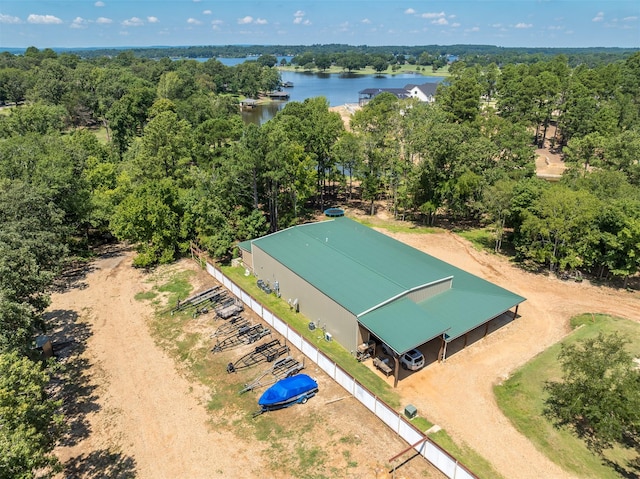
[{"x": 136, "y": 412}]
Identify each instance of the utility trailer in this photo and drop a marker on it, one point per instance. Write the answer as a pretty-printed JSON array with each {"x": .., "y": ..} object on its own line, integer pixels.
[
  {"x": 280, "y": 369},
  {"x": 229, "y": 309}
]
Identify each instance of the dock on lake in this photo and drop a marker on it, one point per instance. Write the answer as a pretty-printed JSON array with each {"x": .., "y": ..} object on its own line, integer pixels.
[{"x": 278, "y": 95}]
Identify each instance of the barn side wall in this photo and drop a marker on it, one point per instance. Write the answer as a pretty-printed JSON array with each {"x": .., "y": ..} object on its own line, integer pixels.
[{"x": 314, "y": 304}]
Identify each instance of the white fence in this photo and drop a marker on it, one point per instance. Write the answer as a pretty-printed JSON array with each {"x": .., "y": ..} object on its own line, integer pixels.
[{"x": 395, "y": 420}]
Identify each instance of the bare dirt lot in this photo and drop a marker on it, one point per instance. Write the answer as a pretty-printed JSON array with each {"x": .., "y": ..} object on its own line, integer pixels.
[{"x": 136, "y": 412}]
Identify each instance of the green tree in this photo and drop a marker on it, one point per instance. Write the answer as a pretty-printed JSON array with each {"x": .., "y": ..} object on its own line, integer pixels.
[
  {"x": 376, "y": 124},
  {"x": 559, "y": 229},
  {"x": 151, "y": 217},
  {"x": 30, "y": 420},
  {"x": 497, "y": 200},
  {"x": 598, "y": 396},
  {"x": 31, "y": 251}
]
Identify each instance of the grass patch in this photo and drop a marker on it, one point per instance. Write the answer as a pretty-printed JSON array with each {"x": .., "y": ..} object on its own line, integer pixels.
[
  {"x": 101, "y": 134},
  {"x": 522, "y": 397},
  {"x": 395, "y": 226},
  {"x": 146, "y": 296},
  {"x": 482, "y": 239}
]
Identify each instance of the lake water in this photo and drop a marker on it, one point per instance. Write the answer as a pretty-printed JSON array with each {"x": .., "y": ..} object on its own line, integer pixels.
[{"x": 337, "y": 88}]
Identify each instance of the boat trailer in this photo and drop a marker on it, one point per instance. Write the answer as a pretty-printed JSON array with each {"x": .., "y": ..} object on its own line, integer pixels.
[
  {"x": 268, "y": 352},
  {"x": 280, "y": 369},
  {"x": 244, "y": 335},
  {"x": 199, "y": 300},
  {"x": 232, "y": 326}
]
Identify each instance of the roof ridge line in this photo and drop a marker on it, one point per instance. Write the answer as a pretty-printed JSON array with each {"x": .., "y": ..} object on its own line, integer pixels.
[{"x": 364, "y": 265}]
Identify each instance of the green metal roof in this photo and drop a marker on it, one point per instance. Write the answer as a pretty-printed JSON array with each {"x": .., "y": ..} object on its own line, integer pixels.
[{"x": 368, "y": 273}]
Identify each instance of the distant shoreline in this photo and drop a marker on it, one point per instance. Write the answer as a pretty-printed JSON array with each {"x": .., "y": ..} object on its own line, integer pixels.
[{"x": 426, "y": 71}]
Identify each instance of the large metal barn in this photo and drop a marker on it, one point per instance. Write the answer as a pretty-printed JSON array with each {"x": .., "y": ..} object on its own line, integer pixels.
[{"x": 357, "y": 284}]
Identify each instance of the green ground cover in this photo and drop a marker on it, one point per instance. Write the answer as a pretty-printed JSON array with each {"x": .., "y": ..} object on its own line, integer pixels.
[{"x": 522, "y": 397}]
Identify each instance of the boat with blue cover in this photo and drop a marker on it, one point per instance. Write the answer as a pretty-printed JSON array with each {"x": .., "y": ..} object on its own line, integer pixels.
[{"x": 288, "y": 391}]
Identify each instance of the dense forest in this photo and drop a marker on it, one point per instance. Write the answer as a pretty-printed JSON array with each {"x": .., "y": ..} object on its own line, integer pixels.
[
  {"x": 154, "y": 151},
  {"x": 470, "y": 54}
]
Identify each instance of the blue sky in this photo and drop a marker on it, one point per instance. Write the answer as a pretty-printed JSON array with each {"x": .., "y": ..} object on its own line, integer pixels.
[{"x": 511, "y": 23}]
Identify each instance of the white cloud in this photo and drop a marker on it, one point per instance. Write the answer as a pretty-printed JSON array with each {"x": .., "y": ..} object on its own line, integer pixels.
[
  {"x": 207, "y": 12},
  {"x": 261, "y": 21},
  {"x": 555, "y": 27},
  {"x": 104, "y": 21},
  {"x": 440, "y": 21},
  {"x": 98, "y": 4},
  {"x": 523, "y": 25},
  {"x": 473, "y": 29},
  {"x": 79, "y": 22},
  {"x": 152, "y": 19},
  {"x": 598, "y": 18},
  {"x": 629, "y": 19},
  {"x": 455, "y": 25},
  {"x": 496, "y": 25},
  {"x": 433, "y": 15},
  {"x": 197, "y": 1},
  {"x": 193, "y": 21},
  {"x": 245, "y": 20},
  {"x": 410, "y": 11},
  {"x": 216, "y": 22},
  {"x": 133, "y": 22},
  {"x": 298, "y": 17},
  {"x": 9, "y": 19},
  {"x": 366, "y": 21},
  {"x": 43, "y": 19}
]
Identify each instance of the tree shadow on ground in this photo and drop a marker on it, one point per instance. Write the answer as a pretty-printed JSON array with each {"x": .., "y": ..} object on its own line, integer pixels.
[
  {"x": 100, "y": 464},
  {"x": 632, "y": 471},
  {"x": 72, "y": 384}
]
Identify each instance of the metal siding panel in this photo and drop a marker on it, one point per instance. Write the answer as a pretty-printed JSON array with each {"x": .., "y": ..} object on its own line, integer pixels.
[
  {"x": 246, "y": 299},
  {"x": 327, "y": 365},
  {"x": 310, "y": 351},
  {"x": 345, "y": 380},
  {"x": 294, "y": 338},
  {"x": 365, "y": 397},
  {"x": 314, "y": 304},
  {"x": 267, "y": 316},
  {"x": 388, "y": 416}
]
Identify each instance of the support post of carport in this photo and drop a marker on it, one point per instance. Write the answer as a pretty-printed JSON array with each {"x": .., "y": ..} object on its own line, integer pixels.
[
  {"x": 486, "y": 329},
  {"x": 515, "y": 313},
  {"x": 444, "y": 351},
  {"x": 396, "y": 372}
]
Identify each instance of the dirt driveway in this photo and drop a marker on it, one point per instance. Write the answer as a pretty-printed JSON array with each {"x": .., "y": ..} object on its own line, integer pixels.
[{"x": 457, "y": 394}]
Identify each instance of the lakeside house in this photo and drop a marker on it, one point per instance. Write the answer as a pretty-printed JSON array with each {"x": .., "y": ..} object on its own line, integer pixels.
[{"x": 425, "y": 92}]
